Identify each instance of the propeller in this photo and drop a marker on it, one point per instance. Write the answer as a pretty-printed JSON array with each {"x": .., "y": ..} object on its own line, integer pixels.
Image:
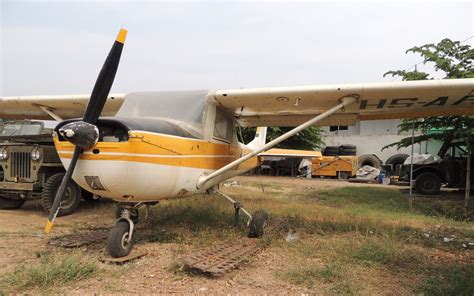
[{"x": 84, "y": 134}]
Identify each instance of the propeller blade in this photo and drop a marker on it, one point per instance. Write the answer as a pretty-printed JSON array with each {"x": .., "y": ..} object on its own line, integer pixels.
[
  {"x": 105, "y": 79},
  {"x": 84, "y": 134},
  {"x": 62, "y": 188}
]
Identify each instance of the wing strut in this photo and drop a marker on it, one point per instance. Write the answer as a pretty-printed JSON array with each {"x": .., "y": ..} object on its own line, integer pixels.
[
  {"x": 50, "y": 112},
  {"x": 345, "y": 101}
]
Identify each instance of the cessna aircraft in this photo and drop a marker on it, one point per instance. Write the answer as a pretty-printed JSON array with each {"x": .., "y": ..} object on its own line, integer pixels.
[{"x": 142, "y": 147}]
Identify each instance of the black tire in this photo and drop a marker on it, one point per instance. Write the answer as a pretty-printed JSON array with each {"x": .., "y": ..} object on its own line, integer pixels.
[
  {"x": 117, "y": 245},
  {"x": 370, "y": 159},
  {"x": 71, "y": 198},
  {"x": 347, "y": 152},
  {"x": 397, "y": 159},
  {"x": 428, "y": 184},
  {"x": 10, "y": 204},
  {"x": 257, "y": 224},
  {"x": 347, "y": 147},
  {"x": 331, "y": 151}
]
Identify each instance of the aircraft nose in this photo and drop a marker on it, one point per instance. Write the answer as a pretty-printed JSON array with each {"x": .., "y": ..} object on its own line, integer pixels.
[{"x": 80, "y": 133}]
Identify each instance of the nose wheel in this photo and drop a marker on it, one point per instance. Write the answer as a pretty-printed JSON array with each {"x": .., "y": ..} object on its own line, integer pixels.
[{"x": 120, "y": 240}]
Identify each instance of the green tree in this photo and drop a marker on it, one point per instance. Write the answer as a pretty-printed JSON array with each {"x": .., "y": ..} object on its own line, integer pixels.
[
  {"x": 308, "y": 139},
  {"x": 453, "y": 60}
]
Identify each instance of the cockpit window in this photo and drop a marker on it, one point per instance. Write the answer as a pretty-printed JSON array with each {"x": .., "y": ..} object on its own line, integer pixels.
[{"x": 223, "y": 126}]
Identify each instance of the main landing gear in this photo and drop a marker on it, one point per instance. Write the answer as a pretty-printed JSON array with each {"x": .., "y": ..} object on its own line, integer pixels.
[{"x": 255, "y": 223}]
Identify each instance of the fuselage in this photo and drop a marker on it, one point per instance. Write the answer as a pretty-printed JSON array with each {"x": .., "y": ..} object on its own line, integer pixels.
[{"x": 145, "y": 166}]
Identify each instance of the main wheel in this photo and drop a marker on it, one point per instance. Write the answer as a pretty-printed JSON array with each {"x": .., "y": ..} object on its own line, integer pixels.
[
  {"x": 257, "y": 224},
  {"x": 117, "y": 242},
  {"x": 428, "y": 184},
  {"x": 10, "y": 204},
  {"x": 70, "y": 200}
]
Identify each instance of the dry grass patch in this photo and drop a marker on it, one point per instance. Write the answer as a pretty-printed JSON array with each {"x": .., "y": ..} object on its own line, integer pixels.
[{"x": 51, "y": 271}]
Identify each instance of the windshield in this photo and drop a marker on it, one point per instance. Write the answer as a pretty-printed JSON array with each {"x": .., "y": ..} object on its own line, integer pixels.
[
  {"x": 21, "y": 128},
  {"x": 184, "y": 108}
]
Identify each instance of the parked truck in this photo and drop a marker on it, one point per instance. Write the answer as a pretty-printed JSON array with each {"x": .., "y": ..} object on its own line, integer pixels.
[
  {"x": 449, "y": 170},
  {"x": 30, "y": 168}
]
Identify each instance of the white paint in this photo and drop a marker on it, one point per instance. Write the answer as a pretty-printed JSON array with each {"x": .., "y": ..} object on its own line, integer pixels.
[
  {"x": 140, "y": 182},
  {"x": 69, "y": 133}
]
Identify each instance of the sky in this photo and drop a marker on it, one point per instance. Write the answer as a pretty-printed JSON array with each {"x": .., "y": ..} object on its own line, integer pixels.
[{"x": 59, "y": 47}]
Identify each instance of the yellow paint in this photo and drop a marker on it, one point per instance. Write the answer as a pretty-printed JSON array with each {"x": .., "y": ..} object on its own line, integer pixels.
[
  {"x": 332, "y": 165},
  {"x": 175, "y": 151},
  {"x": 48, "y": 227},
  {"x": 121, "y": 36}
]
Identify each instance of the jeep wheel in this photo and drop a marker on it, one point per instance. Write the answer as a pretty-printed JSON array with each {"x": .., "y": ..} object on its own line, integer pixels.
[
  {"x": 427, "y": 184},
  {"x": 71, "y": 197},
  {"x": 10, "y": 204}
]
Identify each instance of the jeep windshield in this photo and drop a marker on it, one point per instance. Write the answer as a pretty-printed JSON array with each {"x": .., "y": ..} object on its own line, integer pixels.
[{"x": 21, "y": 128}]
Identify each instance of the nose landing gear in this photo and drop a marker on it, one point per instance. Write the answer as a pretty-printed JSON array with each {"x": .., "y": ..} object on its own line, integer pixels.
[{"x": 120, "y": 240}]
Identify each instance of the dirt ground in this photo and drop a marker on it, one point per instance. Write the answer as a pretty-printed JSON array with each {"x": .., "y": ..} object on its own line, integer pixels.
[{"x": 22, "y": 239}]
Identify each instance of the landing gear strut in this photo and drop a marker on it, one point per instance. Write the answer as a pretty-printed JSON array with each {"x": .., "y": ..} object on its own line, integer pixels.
[{"x": 255, "y": 223}]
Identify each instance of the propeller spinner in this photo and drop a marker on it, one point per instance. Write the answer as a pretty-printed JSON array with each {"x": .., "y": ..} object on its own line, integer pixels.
[{"x": 84, "y": 134}]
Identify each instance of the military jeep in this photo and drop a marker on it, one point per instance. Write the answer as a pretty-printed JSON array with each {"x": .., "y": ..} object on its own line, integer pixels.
[
  {"x": 450, "y": 170},
  {"x": 30, "y": 168}
]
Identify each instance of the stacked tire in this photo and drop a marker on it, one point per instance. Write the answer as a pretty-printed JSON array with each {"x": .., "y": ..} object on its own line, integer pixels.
[
  {"x": 331, "y": 151},
  {"x": 345, "y": 149}
]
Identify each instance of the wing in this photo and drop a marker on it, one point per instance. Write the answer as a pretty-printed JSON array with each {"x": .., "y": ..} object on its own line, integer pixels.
[
  {"x": 291, "y": 106},
  {"x": 45, "y": 107}
]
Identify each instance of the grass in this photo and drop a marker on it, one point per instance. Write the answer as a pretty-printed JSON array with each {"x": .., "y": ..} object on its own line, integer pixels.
[
  {"x": 309, "y": 275},
  {"x": 352, "y": 240},
  {"x": 49, "y": 272},
  {"x": 454, "y": 279},
  {"x": 351, "y": 231}
]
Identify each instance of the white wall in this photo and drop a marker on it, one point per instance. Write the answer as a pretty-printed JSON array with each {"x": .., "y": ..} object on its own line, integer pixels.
[{"x": 370, "y": 137}]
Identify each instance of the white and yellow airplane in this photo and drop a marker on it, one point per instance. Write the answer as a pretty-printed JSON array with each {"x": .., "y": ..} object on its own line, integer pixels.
[{"x": 149, "y": 146}]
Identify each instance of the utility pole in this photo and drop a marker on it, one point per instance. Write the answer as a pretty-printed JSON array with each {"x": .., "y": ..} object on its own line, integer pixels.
[
  {"x": 410, "y": 198},
  {"x": 468, "y": 174}
]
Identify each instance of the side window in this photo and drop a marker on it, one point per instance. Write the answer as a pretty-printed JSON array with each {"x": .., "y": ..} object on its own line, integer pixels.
[{"x": 223, "y": 126}]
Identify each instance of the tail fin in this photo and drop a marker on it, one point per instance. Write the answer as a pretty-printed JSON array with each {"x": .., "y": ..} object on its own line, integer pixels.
[{"x": 260, "y": 138}]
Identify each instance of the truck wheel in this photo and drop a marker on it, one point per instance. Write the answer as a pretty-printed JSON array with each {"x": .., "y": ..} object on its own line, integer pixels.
[
  {"x": 397, "y": 159},
  {"x": 70, "y": 200},
  {"x": 10, "y": 204},
  {"x": 369, "y": 159},
  {"x": 428, "y": 184}
]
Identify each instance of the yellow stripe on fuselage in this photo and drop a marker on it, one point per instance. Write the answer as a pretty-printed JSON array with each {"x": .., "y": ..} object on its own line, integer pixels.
[{"x": 163, "y": 149}]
